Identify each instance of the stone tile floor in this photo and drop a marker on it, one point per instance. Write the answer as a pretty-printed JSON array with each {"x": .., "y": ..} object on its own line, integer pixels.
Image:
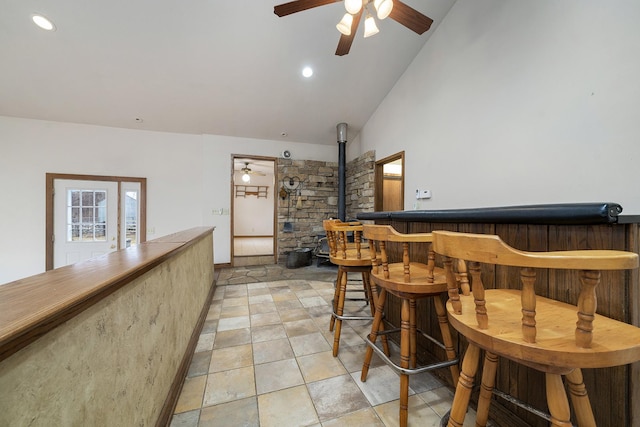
[{"x": 264, "y": 359}]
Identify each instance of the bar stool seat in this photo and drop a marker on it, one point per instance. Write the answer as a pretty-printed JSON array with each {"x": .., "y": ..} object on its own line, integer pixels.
[
  {"x": 409, "y": 281},
  {"x": 350, "y": 257},
  {"x": 512, "y": 322}
]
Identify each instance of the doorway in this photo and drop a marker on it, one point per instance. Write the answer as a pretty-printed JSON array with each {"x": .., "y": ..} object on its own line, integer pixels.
[
  {"x": 90, "y": 215},
  {"x": 389, "y": 182},
  {"x": 253, "y": 208},
  {"x": 86, "y": 220}
]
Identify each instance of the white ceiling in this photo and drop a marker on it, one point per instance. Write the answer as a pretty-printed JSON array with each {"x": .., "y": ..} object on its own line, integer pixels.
[{"x": 222, "y": 67}]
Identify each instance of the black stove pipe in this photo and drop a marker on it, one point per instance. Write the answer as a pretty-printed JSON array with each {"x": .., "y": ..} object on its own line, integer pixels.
[{"x": 342, "y": 170}]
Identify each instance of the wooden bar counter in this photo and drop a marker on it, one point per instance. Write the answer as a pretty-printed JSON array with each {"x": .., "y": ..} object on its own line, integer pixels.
[
  {"x": 614, "y": 392},
  {"x": 105, "y": 341}
]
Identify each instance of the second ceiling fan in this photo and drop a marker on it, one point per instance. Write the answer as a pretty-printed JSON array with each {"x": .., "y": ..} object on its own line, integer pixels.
[
  {"x": 394, "y": 9},
  {"x": 247, "y": 172}
]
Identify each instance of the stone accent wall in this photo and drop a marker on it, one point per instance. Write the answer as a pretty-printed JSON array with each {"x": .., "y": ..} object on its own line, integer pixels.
[
  {"x": 318, "y": 193},
  {"x": 360, "y": 184}
]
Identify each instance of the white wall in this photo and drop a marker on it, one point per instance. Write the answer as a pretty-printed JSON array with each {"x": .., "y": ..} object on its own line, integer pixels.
[
  {"x": 509, "y": 102},
  {"x": 252, "y": 215},
  {"x": 217, "y": 152},
  {"x": 32, "y": 148},
  {"x": 187, "y": 177},
  {"x": 513, "y": 102}
]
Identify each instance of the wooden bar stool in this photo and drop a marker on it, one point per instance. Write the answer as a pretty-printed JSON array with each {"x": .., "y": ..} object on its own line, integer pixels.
[
  {"x": 550, "y": 336},
  {"x": 408, "y": 281},
  {"x": 350, "y": 257}
]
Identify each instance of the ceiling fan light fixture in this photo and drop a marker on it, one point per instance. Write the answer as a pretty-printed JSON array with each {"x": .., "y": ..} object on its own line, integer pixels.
[
  {"x": 246, "y": 177},
  {"x": 344, "y": 26},
  {"x": 370, "y": 27},
  {"x": 383, "y": 8},
  {"x": 400, "y": 12},
  {"x": 353, "y": 6}
]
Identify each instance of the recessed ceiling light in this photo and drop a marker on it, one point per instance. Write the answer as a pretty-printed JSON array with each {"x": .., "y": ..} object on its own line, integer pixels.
[
  {"x": 307, "y": 72},
  {"x": 139, "y": 120},
  {"x": 43, "y": 22}
]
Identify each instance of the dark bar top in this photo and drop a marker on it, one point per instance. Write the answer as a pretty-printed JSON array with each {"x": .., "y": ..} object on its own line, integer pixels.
[{"x": 562, "y": 213}]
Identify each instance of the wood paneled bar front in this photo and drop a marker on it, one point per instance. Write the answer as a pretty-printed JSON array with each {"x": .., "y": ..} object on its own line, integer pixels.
[{"x": 614, "y": 392}]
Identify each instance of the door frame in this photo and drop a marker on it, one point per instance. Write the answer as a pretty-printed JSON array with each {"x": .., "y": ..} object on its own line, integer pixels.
[
  {"x": 275, "y": 201},
  {"x": 49, "y": 215},
  {"x": 379, "y": 180}
]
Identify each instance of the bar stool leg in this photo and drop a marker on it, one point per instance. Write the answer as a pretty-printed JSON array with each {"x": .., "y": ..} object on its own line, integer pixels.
[
  {"x": 369, "y": 292},
  {"x": 336, "y": 296},
  {"x": 580, "y": 399},
  {"x": 413, "y": 345},
  {"x": 446, "y": 336},
  {"x": 339, "y": 312},
  {"x": 464, "y": 386},
  {"x": 373, "y": 336},
  {"x": 557, "y": 401},
  {"x": 373, "y": 302},
  {"x": 373, "y": 297},
  {"x": 405, "y": 343},
  {"x": 486, "y": 389}
]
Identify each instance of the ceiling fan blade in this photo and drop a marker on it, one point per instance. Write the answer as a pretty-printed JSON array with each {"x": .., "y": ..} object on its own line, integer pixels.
[
  {"x": 344, "y": 45},
  {"x": 409, "y": 17},
  {"x": 299, "y": 5}
]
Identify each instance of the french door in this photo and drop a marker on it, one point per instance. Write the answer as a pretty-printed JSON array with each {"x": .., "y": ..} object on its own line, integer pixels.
[{"x": 88, "y": 216}]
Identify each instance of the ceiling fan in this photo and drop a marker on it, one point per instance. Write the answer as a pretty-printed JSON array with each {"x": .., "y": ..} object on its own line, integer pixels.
[
  {"x": 247, "y": 172},
  {"x": 395, "y": 9}
]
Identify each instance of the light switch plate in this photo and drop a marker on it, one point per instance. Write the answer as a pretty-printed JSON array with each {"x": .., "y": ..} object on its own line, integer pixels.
[{"x": 423, "y": 194}]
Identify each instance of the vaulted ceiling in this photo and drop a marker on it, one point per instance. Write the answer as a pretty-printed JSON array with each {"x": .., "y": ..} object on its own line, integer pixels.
[{"x": 217, "y": 67}]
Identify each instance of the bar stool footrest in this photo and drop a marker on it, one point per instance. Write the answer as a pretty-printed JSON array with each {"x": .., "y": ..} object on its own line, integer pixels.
[
  {"x": 349, "y": 317},
  {"x": 410, "y": 371},
  {"x": 521, "y": 404}
]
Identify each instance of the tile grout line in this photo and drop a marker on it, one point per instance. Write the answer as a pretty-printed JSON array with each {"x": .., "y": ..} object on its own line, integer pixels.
[{"x": 313, "y": 316}]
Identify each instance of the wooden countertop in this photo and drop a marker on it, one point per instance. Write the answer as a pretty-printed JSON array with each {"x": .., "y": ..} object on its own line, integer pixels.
[{"x": 32, "y": 306}]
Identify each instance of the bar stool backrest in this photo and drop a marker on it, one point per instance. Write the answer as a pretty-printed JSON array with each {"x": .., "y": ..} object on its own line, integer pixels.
[
  {"x": 379, "y": 237},
  {"x": 490, "y": 249},
  {"x": 344, "y": 238}
]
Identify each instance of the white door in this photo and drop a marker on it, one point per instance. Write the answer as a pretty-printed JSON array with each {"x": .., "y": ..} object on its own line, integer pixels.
[{"x": 85, "y": 220}]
